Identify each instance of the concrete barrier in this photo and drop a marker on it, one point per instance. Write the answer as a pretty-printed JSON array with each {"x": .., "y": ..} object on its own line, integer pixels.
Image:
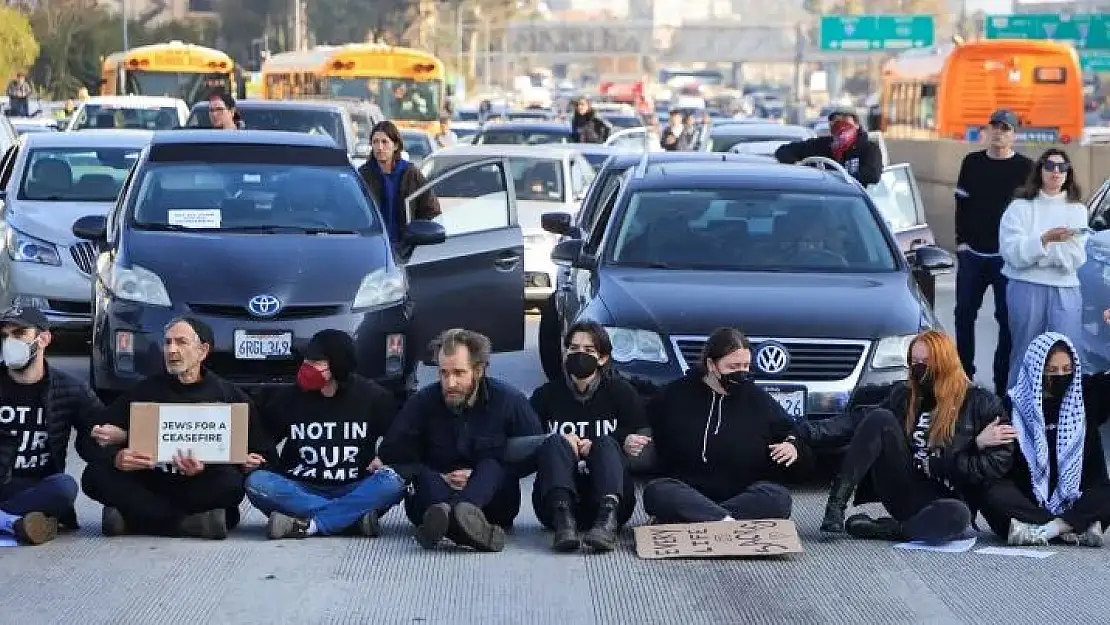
[{"x": 936, "y": 164}]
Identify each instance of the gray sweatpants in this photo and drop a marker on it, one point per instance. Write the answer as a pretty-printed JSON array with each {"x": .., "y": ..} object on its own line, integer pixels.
[{"x": 1035, "y": 309}]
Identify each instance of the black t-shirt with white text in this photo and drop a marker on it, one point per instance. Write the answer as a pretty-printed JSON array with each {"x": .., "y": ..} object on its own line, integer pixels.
[
  {"x": 22, "y": 413},
  {"x": 614, "y": 409}
]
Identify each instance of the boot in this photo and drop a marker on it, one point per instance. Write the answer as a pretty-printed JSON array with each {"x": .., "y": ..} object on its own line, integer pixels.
[
  {"x": 284, "y": 526},
  {"x": 434, "y": 525},
  {"x": 369, "y": 525},
  {"x": 112, "y": 523},
  {"x": 839, "y": 496},
  {"x": 475, "y": 531},
  {"x": 35, "y": 528},
  {"x": 566, "y": 528},
  {"x": 211, "y": 524},
  {"x": 603, "y": 535},
  {"x": 864, "y": 527}
]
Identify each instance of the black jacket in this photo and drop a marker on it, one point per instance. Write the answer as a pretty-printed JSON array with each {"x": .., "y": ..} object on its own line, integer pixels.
[
  {"x": 589, "y": 128},
  {"x": 69, "y": 404},
  {"x": 613, "y": 409},
  {"x": 864, "y": 160},
  {"x": 718, "y": 443},
  {"x": 429, "y": 434}
]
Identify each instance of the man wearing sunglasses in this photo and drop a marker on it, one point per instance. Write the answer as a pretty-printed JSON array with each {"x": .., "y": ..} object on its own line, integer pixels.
[{"x": 985, "y": 187}]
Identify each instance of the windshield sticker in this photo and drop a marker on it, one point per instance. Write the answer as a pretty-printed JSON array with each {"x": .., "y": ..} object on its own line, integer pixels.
[
  {"x": 252, "y": 178},
  {"x": 195, "y": 218}
]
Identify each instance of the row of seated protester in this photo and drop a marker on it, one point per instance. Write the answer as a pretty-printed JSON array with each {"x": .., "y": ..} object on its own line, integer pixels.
[{"x": 934, "y": 453}]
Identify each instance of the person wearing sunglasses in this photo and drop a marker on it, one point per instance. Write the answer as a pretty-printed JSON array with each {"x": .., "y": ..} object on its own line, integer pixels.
[{"x": 1042, "y": 238}]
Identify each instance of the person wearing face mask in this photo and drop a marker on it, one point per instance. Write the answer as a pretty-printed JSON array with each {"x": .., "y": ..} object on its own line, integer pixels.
[
  {"x": 39, "y": 405},
  {"x": 847, "y": 144},
  {"x": 722, "y": 443},
  {"x": 186, "y": 497},
  {"x": 1058, "y": 489},
  {"x": 594, "y": 417},
  {"x": 449, "y": 442},
  {"x": 935, "y": 439},
  {"x": 328, "y": 479}
]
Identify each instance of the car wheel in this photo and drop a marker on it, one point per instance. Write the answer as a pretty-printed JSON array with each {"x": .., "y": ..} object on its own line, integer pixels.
[{"x": 550, "y": 341}]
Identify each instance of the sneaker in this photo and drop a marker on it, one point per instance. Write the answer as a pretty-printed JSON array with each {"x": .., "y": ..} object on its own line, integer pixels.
[
  {"x": 112, "y": 523},
  {"x": 476, "y": 531},
  {"x": 368, "y": 525},
  {"x": 35, "y": 528},
  {"x": 284, "y": 526},
  {"x": 211, "y": 525},
  {"x": 1026, "y": 535},
  {"x": 1092, "y": 537},
  {"x": 433, "y": 527}
]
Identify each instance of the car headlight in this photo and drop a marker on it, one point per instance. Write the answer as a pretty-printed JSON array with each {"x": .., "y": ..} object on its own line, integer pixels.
[
  {"x": 890, "y": 353},
  {"x": 629, "y": 345},
  {"x": 24, "y": 248},
  {"x": 138, "y": 284},
  {"x": 380, "y": 288}
]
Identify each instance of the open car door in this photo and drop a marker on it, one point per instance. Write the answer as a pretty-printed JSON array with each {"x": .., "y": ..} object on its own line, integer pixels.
[
  {"x": 898, "y": 199},
  {"x": 474, "y": 280}
]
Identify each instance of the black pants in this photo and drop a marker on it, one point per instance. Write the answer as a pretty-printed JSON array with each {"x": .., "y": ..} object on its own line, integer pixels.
[
  {"x": 880, "y": 453},
  {"x": 973, "y": 275},
  {"x": 558, "y": 476},
  {"x": 491, "y": 487},
  {"x": 1004, "y": 501},
  {"x": 151, "y": 504},
  {"x": 673, "y": 501}
]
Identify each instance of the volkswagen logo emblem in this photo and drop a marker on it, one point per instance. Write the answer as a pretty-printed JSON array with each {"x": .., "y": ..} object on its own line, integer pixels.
[
  {"x": 264, "y": 306},
  {"x": 772, "y": 358}
]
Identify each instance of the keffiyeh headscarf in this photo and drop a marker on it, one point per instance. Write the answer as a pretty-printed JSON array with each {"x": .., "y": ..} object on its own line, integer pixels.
[{"x": 1028, "y": 419}]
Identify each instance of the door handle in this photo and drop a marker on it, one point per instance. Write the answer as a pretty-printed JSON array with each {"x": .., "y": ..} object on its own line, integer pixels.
[{"x": 507, "y": 262}]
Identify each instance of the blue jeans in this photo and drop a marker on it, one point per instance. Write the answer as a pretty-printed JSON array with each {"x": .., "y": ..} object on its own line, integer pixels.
[
  {"x": 53, "y": 496},
  {"x": 334, "y": 508},
  {"x": 973, "y": 275}
]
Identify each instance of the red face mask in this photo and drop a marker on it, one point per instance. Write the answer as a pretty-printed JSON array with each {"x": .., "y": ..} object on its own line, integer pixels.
[{"x": 310, "y": 378}]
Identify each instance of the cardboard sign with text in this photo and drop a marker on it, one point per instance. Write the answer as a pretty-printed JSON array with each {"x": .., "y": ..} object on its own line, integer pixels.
[
  {"x": 216, "y": 433},
  {"x": 718, "y": 539}
]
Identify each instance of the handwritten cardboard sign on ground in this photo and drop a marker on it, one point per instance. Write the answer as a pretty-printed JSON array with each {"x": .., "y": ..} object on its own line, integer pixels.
[
  {"x": 719, "y": 539},
  {"x": 215, "y": 433}
]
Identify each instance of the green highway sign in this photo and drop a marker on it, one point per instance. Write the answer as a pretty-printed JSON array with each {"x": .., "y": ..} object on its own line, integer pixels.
[
  {"x": 1085, "y": 31},
  {"x": 1095, "y": 61},
  {"x": 865, "y": 33}
]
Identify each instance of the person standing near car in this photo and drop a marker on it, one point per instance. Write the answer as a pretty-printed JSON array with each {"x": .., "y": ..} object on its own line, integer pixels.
[
  {"x": 587, "y": 126},
  {"x": 846, "y": 144},
  {"x": 392, "y": 179},
  {"x": 985, "y": 186}
]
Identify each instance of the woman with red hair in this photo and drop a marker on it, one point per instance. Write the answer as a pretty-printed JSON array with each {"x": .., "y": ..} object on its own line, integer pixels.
[{"x": 934, "y": 438}]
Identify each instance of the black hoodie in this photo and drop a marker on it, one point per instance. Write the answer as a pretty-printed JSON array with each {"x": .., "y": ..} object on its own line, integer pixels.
[
  {"x": 863, "y": 160},
  {"x": 589, "y": 128},
  {"x": 611, "y": 406},
  {"x": 719, "y": 444}
]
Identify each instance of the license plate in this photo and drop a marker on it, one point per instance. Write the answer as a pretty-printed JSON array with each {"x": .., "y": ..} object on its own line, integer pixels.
[
  {"x": 791, "y": 398},
  {"x": 263, "y": 345}
]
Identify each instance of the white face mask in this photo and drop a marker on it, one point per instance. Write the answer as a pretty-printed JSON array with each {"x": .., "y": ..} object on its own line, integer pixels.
[{"x": 17, "y": 354}]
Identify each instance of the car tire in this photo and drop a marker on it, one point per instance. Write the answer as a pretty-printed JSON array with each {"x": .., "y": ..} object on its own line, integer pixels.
[{"x": 550, "y": 341}]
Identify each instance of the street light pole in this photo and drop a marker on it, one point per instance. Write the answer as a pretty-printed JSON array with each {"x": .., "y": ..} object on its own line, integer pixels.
[{"x": 123, "y": 17}]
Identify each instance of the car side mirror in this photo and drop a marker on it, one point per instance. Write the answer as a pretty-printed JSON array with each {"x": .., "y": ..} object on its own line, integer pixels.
[
  {"x": 932, "y": 259},
  {"x": 567, "y": 252},
  {"x": 91, "y": 228},
  {"x": 424, "y": 232},
  {"x": 557, "y": 223}
]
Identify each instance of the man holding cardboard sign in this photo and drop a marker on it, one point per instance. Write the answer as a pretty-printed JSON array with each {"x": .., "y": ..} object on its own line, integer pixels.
[
  {"x": 189, "y": 436},
  {"x": 39, "y": 405},
  {"x": 328, "y": 479}
]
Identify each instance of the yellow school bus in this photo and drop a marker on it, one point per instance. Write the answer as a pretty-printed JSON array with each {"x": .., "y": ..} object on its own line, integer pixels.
[
  {"x": 407, "y": 84},
  {"x": 175, "y": 69}
]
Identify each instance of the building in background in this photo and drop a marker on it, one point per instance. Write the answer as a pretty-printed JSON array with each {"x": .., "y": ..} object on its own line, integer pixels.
[{"x": 161, "y": 11}]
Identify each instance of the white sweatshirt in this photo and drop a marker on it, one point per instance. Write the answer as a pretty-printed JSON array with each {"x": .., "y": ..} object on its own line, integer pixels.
[{"x": 1019, "y": 238}]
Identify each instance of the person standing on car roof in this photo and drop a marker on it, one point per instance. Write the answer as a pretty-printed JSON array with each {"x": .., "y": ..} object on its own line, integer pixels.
[
  {"x": 328, "y": 479},
  {"x": 449, "y": 441},
  {"x": 724, "y": 465},
  {"x": 984, "y": 188},
  {"x": 186, "y": 497},
  {"x": 587, "y": 126},
  {"x": 594, "y": 417},
  {"x": 39, "y": 405},
  {"x": 393, "y": 179},
  {"x": 846, "y": 144}
]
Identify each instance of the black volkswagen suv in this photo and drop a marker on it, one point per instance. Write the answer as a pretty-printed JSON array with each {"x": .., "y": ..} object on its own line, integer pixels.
[{"x": 798, "y": 258}]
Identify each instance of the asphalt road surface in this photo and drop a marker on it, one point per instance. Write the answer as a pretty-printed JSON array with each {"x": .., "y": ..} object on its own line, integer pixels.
[{"x": 246, "y": 579}]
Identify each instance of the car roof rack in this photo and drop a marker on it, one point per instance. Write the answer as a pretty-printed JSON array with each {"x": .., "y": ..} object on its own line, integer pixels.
[{"x": 825, "y": 164}]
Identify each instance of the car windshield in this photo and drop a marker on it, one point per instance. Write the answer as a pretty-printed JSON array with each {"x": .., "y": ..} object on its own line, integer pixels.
[
  {"x": 126, "y": 116},
  {"x": 400, "y": 98},
  {"x": 416, "y": 144},
  {"x": 622, "y": 122},
  {"x": 727, "y": 142},
  {"x": 308, "y": 121},
  {"x": 189, "y": 86},
  {"x": 494, "y": 136},
  {"x": 252, "y": 198},
  {"x": 538, "y": 179},
  {"x": 750, "y": 230},
  {"x": 361, "y": 121},
  {"x": 76, "y": 174}
]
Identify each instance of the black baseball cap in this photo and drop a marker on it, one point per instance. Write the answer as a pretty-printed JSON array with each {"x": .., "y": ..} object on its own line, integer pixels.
[
  {"x": 1005, "y": 116},
  {"x": 843, "y": 112},
  {"x": 25, "y": 317}
]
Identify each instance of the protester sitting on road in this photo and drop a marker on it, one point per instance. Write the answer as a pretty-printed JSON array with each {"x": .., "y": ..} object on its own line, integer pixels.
[
  {"x": 582, "y": 479},
  {"x": 1043, "y": 241},
  {"x": 449, "y": 441},
  {"x": 39, "y": 405},
  {"x": 725, "y": 465},
  {"x": 391, "y": 179},
  {"x": 328, "y": 479},
  {"x": 1058, "y": 487},
  {"x": 187, "y": 497},
  {"x": 847, "y": 144},
  {"x": 921, "y": 451}
]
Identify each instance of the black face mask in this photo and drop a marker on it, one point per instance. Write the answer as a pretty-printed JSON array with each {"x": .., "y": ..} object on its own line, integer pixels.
[
  {"x": 581, "y": 365},
  {"x": 735, "y": 379},
  {"x": 920, "y": 374},
  {"x": 1057, "y": 385}
]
